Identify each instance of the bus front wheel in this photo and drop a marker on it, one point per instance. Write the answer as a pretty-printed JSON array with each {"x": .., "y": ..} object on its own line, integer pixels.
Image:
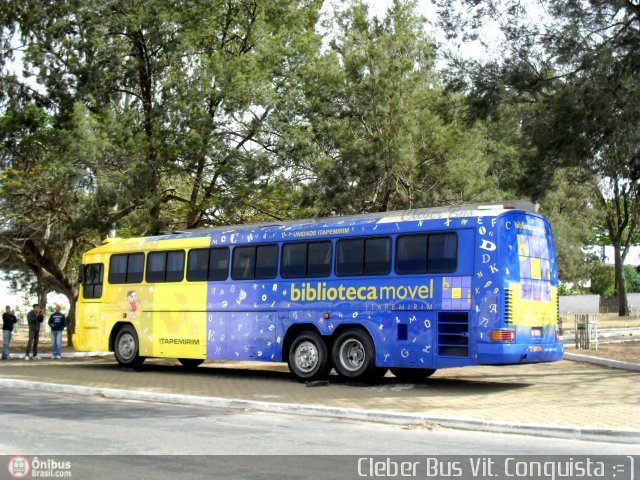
[
  {"x": 354, "y": 357},
  {"x": 308, "y": 357},
  {"x": 127, "y": 348}
]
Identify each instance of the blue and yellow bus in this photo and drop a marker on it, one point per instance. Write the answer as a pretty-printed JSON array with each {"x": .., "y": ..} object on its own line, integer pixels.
[{"x": 410, "y": 291}]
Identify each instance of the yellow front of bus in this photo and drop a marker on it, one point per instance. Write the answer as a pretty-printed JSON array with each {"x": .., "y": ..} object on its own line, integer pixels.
[{"x": 89, "y": 335}]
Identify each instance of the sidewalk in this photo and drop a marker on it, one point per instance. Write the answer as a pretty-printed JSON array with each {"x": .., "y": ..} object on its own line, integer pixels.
[{"x": 561, "y": 399}]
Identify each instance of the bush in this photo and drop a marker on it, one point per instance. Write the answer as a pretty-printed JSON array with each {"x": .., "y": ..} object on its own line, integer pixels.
[
  {"x": 631, "y": 279},
  {"x": 602, "y": 280}
]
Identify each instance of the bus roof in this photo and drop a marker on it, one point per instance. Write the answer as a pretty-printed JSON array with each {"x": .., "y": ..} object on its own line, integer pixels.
[{"x": 458, "y": 211}]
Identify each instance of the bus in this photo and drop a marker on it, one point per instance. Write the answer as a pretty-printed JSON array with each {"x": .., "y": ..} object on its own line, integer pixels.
[{"x": 408, "y": 291}]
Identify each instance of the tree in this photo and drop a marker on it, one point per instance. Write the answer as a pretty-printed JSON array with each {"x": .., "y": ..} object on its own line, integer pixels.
[
  {"x": 576, "y": 72},
  {"x": 40, "y": 200},
  {"x": 385, "y": 135},
  {"x": 143, "y": 116}
]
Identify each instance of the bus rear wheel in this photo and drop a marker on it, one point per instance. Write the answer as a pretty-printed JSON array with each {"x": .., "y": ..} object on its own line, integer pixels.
[
  {"x": 127, "y": 348},
  {"x": 190, "y": 362},
  {"x": 308, "y": 357},
  {"x": 354, "y": 357},
  {"x": 413, "y": 374}
]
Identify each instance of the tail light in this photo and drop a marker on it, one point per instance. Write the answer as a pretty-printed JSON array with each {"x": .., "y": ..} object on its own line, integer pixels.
[{"x": 503, "y": 335}]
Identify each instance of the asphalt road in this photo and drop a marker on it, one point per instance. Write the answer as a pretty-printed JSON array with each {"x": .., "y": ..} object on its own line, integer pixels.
[{"x": 46, "y": 423}]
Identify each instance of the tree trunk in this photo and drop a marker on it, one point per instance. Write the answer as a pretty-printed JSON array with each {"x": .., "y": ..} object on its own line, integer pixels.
[
  {"x": 623, "y": 309},
  {"x": 42, "y": 298}
]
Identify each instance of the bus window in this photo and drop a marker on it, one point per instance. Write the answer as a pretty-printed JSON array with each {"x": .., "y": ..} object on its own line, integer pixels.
[
  {"x": 126, "y": 268},
  {"x": 165, "y": 266},
  {"x": 135, "y": 268},
  {"x": 92, "y": 285},
  {"x": 377, "y": 256},
  {"x": 244, "y": 259},
  {"x": 294, "y": 260},
  {"x": 156, "y": 262},
  {"x": 319, "y": 259},
  {"x": 218, "y": 264},
  {"x": 312, "y": 259},
  {"x": 434, "y": 253},
  {"x": 255, "y": 262},
  {"x": 198, "y": 265},
  {"x": 442, "y": 253},
  {"x": 175, "y": 266},
  {"x": 411, "y": 254},
  {"x": 266, "y": 261},
  {"x": 208, "y": 264},
  {"x": 350, "y": 254},
  {"x": 357, "y": 256}
]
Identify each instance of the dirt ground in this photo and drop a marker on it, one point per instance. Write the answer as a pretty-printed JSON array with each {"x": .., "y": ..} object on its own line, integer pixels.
[{"x": 624, "y": 352}]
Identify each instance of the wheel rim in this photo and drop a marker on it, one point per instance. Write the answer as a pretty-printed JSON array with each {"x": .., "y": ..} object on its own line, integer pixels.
[
  {"x": 352, "y": 355},
  {"x": 306, "y": 356},
  {"x": 126, "y": 346}
]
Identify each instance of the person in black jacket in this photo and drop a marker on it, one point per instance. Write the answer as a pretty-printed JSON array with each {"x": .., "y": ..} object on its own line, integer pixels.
[
  {"x": 8, "y": 321},
  {"x": 57, "y": 322},
  {"x": 34, "y": 319}
]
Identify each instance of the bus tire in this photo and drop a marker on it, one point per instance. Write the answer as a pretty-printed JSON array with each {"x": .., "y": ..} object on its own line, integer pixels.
[
  {"x": 354, "y": 356},
  {"x": 127, "y": 348},
  {"x": 413, "y": 374},
  {"x": 190, "y": 363},
  {"x": 308, "y": 357}
]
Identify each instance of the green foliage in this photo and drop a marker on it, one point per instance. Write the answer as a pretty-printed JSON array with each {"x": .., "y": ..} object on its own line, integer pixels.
[
  {"x": 575, "y": 74},
  {"x": 632, "y": 279},
  {"x": 602, "y": 280},
  {"x": 570, "y": 205},
  {"x": 149, "y": 116},
  {"x": 565, "y": 289},
  {"x": 146, "y": 116},
  {"x": 387, "y": 136}
]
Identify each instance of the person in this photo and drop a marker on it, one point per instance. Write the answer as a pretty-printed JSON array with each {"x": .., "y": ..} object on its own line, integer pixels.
[
  {"x": 35, "y": 318},
  {"x": 8, "y": 321},
  {"x": 57, "y": 322}
]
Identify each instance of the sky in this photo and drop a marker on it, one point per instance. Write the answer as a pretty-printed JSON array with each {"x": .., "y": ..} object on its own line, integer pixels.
[{"x": 22, "y": 304}]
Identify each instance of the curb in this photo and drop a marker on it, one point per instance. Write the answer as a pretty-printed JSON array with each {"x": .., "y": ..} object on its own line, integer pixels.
[
  {"x": 575, "y": 357},
  {"x": 379, "y": 416}
]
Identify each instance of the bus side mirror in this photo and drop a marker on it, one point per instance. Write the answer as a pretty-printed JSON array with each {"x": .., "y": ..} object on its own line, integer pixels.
[{"x": 81, "y": 274}]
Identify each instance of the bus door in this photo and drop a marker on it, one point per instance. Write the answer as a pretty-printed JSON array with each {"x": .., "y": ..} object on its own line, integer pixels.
[{"x": 88, "y": 311}]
